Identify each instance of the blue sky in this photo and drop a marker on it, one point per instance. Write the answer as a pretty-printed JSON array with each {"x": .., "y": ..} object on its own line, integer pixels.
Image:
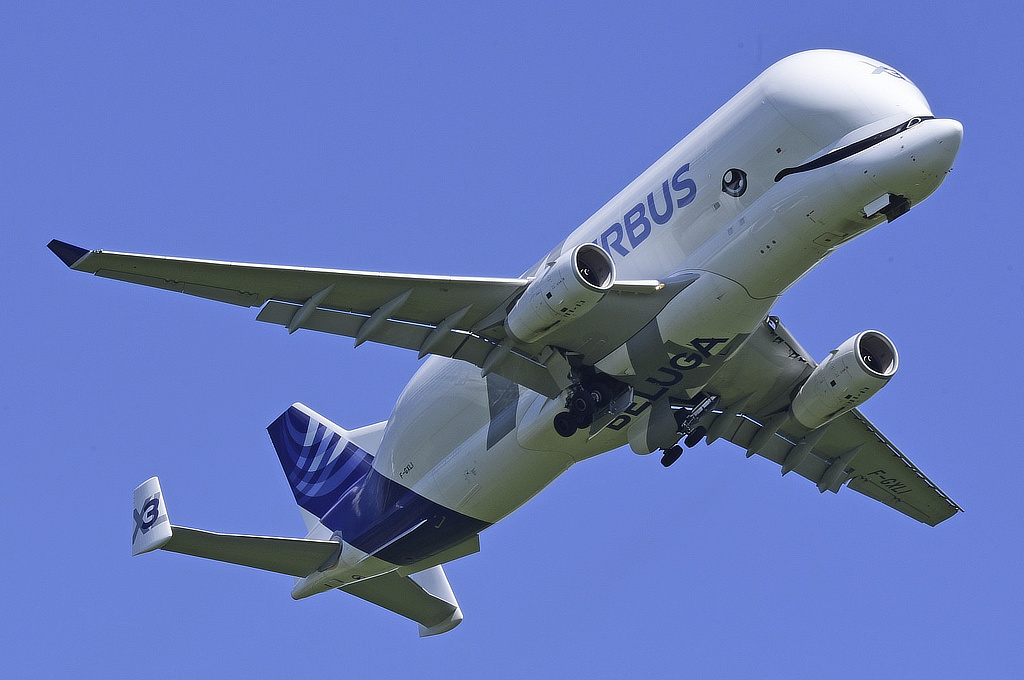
[{"x": 459, "y": 139}]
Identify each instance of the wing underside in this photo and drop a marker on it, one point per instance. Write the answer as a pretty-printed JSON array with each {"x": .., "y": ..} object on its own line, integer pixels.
[
  {"x": 849, "y": 451},
  {"x": 459, "y": 317}
]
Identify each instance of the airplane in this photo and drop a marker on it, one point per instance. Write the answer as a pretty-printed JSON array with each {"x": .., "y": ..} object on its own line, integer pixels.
[{"x": 650, "y": 326}]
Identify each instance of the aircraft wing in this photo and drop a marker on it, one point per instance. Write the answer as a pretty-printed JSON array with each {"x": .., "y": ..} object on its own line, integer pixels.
[
  {"x": 430, "y": 299},
  {"x": 459, "y": 317},
  {"x": 849, "y": 451}
]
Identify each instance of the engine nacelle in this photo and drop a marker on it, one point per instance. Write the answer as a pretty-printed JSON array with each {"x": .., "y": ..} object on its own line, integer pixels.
[
  {"x": 846, "y": 378},
  {"x": 567, "y": 289}
]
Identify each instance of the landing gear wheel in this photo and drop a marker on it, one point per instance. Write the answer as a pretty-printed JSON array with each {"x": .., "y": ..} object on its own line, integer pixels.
[
  {"x": 581, "y": 403},
  {"x": 601, "y": 395},
  {"x": 694, "y": 437},
  {"x": 565, "y": 424},
  {"x": 671, "y": 455}
]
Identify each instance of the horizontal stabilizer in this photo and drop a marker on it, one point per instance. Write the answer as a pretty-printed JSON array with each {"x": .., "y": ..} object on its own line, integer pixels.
[
  {"x": 153, "y": 530},
  {"x": 425, "y": 597},
  {"x": 293, "y": 556}
]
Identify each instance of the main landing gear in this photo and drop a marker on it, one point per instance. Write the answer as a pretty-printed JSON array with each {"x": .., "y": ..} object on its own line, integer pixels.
[
  {"x": 586, "y": 399},
  {"x": 671, "y": 455},
  {"x": 694, "y": 437}
]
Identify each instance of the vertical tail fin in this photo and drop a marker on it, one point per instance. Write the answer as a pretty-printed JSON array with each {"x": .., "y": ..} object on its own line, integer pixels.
[
  {"x": 320, "y": 459},
  {"x": 152, "y": 526}
]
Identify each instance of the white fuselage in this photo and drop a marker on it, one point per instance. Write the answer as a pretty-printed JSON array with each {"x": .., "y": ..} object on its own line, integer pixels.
[{"x": 441, "y": 440}]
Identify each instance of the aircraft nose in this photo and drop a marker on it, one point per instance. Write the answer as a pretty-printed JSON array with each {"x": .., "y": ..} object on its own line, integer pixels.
[
  {"x": 922, "y": 157},
  {"x": 939, "y": 146}
]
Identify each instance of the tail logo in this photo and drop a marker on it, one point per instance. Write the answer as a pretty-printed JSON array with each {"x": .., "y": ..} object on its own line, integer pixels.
[
  {"x": 321, "y": 465},
  {"x": 148, "y": 517}
]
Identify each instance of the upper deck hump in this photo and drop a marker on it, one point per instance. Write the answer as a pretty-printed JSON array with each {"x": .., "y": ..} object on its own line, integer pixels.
[{"x": 827, "y": 94}]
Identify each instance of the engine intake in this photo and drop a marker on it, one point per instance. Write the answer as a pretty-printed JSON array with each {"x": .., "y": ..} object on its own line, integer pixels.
[
  {"x": 847, "y": 377},
  {"x": 569, "y": 288}
]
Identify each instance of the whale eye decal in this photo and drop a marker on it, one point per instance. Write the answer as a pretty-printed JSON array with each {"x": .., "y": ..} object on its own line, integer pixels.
[{"x": 734, "y": 182}]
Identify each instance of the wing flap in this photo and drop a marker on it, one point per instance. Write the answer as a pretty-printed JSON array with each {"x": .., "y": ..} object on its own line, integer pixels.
[
  {"x": 454, "y": 343},
  {"x": 742, "y": 433},
  {"x": 877, "y": 469}
]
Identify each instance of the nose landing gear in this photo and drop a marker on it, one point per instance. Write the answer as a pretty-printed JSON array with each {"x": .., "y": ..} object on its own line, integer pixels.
[
  {"x": 689, "y": 427},
  {"x": 694, "y": 437},
  {"x": 671, "y": 455}
]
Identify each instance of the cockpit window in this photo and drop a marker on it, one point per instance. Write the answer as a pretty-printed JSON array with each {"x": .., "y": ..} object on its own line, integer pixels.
[{"x": 851, "y": 149}]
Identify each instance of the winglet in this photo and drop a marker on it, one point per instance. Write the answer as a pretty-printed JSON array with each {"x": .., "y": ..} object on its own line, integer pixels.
[{"x": 69, "y": 254}]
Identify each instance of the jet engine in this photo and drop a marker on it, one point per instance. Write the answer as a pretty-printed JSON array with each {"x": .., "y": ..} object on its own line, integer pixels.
[
  {"x": 567, "y": 289},
  {"x": 846, "y": 378}
]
